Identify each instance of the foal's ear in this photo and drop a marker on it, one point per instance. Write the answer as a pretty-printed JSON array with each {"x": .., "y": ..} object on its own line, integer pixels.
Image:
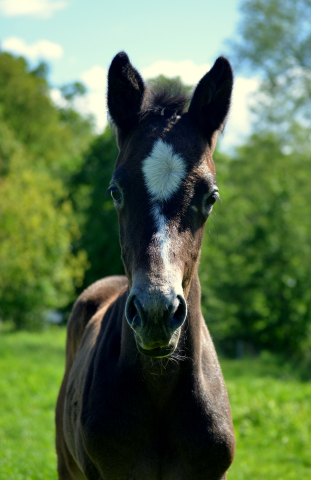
[
  {"x": 211, "y": 100},
  {"x": 125, "y": 93}
]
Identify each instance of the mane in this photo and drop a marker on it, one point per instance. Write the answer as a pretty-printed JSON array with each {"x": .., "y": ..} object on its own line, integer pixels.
[{"x": 169, "y": 100}]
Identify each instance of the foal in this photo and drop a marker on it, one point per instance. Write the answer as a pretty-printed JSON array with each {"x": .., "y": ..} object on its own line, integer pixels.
[{"x": 143, "y": 396}]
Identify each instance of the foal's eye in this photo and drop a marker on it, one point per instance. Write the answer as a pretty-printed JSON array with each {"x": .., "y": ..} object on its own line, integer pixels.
[
  {"x": 116, "y": 194},
  {"x": 209, "y": 201}
]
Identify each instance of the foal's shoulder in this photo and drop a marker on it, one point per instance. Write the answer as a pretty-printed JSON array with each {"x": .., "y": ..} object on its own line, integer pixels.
[
  {"x": 101, "y": 291},
  {"x": 98, "y": 295},
  {"x": 94, "y": 298}
]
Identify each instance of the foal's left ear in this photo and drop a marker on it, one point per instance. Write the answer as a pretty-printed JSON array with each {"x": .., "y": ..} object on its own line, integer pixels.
[
  {"x": 211, "y": 100},
  {"x": 125, "y": 93}
]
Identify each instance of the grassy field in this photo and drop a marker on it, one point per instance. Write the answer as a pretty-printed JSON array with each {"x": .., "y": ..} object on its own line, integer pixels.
[{"x": 271, "y": 411}]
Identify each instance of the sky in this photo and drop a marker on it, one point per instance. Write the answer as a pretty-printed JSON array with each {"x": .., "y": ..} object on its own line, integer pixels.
[{"x": 79, "y": 38}]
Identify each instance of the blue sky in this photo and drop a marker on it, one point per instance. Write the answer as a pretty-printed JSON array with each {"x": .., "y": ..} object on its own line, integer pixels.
[{"x": 79, "y": 38}]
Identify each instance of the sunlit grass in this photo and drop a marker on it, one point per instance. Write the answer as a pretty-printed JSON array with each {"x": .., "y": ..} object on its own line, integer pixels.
[
  {"x": 270, "y": 406},
  {"x": 271, "y": 414},
  {"x": 31, "y": 366}
]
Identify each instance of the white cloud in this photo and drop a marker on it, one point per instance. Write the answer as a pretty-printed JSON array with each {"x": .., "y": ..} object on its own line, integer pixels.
[
  {"x": 239, "y": 121},
  {"x": 187, "y": 70},
  {"x": 57, "y": 97},
  {"x": 38, "y": 50},
  {"x": 240, "y": 117},
  {"x": 94, "y": 102},
  {"x": 95, "y": 78},
  {"x": 36, "y": 8}
]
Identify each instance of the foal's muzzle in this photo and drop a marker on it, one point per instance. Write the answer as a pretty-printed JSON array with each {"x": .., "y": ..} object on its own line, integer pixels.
[{"x": 155, "y": 318}]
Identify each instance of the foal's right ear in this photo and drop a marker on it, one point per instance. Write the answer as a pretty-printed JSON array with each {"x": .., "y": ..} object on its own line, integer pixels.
[{"x": 125, "y": 93}]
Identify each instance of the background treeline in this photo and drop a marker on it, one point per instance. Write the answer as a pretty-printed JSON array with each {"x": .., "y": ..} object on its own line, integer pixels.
[{"x": 58, "y": 228}]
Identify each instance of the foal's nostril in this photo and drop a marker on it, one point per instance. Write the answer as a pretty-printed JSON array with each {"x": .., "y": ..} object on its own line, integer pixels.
[
  {"x": 178, "y": 317},
  {"x": 164, "y": 312},
  {"x": 131, "y": 313}
]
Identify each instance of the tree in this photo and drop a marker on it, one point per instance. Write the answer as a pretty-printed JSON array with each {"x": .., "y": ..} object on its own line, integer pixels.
[
  {"x": 40, "y": 147},
  {"x": 276, "y": 44},
  {"x": 37, "y": 269},
  {"x": 72, "y": 90},
  {"x": 53, "y": 137},
  {"x": 97, "y": 216},
  {"x": 255, "y": 263}
]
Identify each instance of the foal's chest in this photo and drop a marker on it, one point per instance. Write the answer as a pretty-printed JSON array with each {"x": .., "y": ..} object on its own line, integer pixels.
[{"x": 128, "y": 438}]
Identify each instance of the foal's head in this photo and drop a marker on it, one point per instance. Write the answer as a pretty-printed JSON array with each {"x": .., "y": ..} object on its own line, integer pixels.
[{"x": 163, "y": 188}]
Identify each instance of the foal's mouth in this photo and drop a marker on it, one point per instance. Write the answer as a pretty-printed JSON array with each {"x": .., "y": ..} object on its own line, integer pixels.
[
  {"x": 159, "y": 352},
  {"x": 158, "y": 348}
]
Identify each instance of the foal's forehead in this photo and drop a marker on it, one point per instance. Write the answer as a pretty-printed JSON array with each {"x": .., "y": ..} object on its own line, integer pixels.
[{"x": 167, "y": 157}]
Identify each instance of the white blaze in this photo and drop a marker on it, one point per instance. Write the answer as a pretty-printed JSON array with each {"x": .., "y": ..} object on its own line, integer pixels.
[
  {"x": 162, "y": 235},
  {"x": 164, "y": 172}
]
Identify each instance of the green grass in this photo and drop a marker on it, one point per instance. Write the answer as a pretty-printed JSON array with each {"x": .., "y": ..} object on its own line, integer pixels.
[
  {"x": 31, "y": 367},
  {"x": 271, "y": 411},
  {"x": 270, "y": 406}
]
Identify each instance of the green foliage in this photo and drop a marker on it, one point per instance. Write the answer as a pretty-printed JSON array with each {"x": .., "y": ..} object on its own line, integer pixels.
[
  {"x": 98, "y": 219},
  {"x": 37, "y": 269},
  {"x": 269, "y": 25},
  {"x": 53, "y": 137},
  {"x": 266, "y": 283},
  {"x": 270, "y": 409},
  {"x": 255, "y": 262},
  {"x": 40, "y": 147},
  {"x": 73, "y": 90},
  {"x": 41, "y": 70},
  {"x": 27, "y": 108},
  {"x": 9, "y": 147}
]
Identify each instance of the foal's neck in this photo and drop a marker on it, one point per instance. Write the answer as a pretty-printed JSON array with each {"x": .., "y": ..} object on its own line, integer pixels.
[{"x": 162, "y": 375}]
